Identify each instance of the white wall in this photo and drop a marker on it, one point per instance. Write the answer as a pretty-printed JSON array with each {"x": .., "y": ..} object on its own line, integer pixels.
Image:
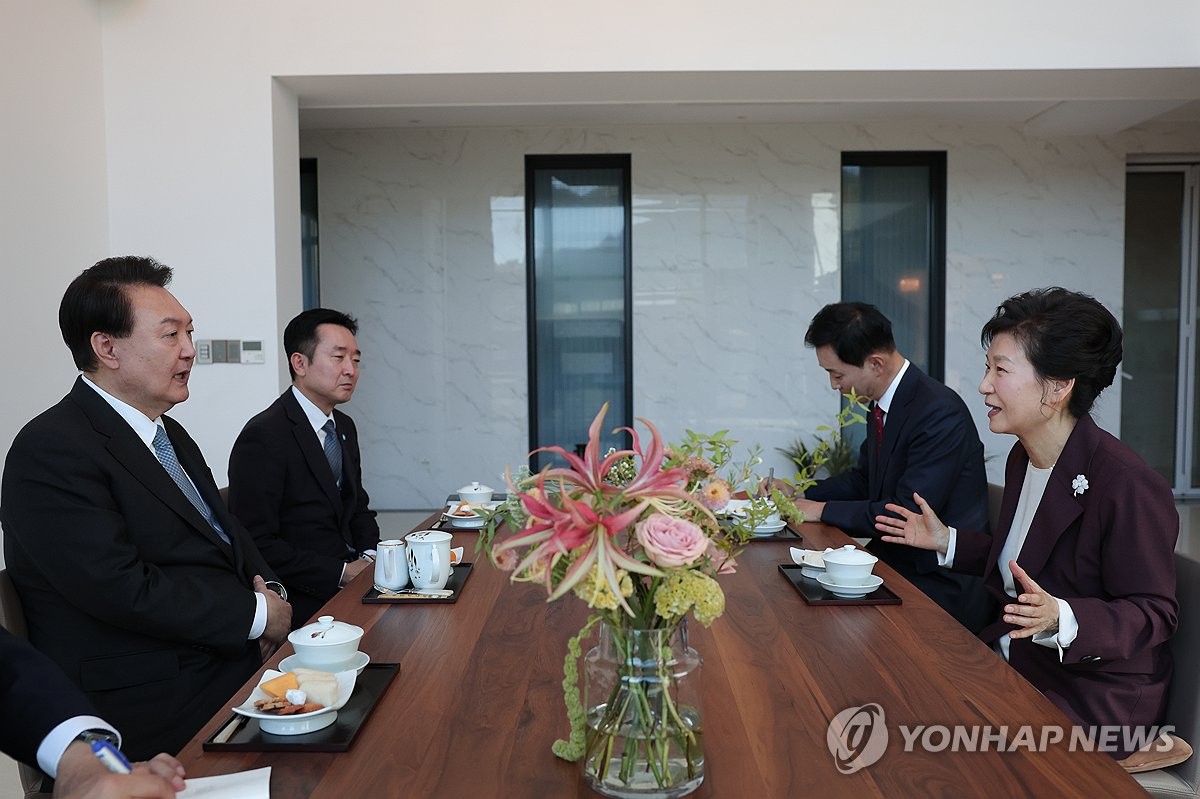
[
  {"x": 53, "y": 208},
  {"x": 173, "y": 104}
]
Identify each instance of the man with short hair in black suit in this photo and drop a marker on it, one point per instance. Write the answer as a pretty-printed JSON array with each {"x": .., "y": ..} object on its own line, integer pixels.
[
  {"x": 134, "y": 578},
  {"x": 920, "y": 438},
  {"x": 295, "y": 472}
]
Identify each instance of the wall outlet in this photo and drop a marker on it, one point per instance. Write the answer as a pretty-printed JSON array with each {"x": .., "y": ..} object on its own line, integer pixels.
[{"x": 203, "y": 351}]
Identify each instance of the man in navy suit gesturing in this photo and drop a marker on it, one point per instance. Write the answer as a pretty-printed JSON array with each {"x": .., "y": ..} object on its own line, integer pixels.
[
  {"x": 920, "y": 438},
  {"x": 295, "y": 473}
]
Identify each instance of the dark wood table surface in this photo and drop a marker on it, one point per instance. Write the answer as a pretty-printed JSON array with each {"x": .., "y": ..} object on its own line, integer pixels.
[{"x": 478, "y": 700}]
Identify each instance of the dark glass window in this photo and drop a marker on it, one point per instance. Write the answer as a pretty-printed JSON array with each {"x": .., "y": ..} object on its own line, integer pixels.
[
  {"x": 578, "y": 218},
  {"x": 310, "y": 254},
  {"x": 894, "y": 246}
]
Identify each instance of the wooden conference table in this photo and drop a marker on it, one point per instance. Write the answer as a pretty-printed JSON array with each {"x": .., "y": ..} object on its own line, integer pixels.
[{"x": 478, "y": 699}]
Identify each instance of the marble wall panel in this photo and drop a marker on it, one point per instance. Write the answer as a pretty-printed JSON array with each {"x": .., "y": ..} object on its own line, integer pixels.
[{"x": 735, "y": 246}]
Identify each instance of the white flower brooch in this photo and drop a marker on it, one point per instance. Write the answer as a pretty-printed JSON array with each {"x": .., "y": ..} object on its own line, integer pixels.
[{"x": 1080, "y": 484}]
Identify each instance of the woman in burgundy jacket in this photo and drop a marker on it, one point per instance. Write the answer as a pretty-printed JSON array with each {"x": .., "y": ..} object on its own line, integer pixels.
[{"x": 1083, "y": 557}]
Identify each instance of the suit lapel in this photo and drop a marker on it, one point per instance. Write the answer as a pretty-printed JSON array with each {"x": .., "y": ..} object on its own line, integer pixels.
[
  {"x": 136, "y": 458},
  {"x": 310, "y": 447},
  {"x": 1060, "y": 507},
  {"x": 897, "y": 417}
]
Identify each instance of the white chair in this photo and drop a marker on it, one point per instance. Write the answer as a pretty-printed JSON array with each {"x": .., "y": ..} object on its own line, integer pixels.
[{"x": 1183, "y": 701}]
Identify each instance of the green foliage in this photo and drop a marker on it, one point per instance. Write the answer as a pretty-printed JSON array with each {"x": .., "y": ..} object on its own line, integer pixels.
[{"x": 832, "y": 453}]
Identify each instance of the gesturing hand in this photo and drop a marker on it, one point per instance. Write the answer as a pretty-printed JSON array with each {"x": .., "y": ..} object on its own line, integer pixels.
[
  {"x": 923, "y": 530},
  {"x": 1037, "y": 611}
]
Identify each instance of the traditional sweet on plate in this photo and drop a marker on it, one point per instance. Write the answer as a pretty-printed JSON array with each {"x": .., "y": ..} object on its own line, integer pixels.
[
  {"x": 321, "y": 686},
  {"x": 279, "y": 686},
  {"x": 298, "y": 691},
  {"x": 282, "y": 707}
]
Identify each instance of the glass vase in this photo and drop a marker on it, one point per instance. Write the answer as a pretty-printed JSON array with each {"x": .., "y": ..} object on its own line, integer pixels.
[{"x": 644, "y": 733}]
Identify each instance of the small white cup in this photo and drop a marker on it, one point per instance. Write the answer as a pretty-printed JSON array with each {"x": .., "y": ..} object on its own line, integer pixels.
[
  {"x": 391, "y": 565},
  {"x": 429, "y": 558},
  {"x": 849, "y": 565}
]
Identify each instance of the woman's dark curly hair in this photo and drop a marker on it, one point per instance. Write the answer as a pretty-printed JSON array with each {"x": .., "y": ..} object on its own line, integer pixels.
[{"x": 1065, "y": 335}]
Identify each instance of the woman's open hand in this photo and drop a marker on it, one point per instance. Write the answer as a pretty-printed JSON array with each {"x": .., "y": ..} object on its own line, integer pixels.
[
  {"x": 923, "y": 530},
  {"x": 1036, "y": 611}
]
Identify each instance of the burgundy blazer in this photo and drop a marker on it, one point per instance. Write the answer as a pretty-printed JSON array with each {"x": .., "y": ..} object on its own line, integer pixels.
[{"x": 1109, "y": 552}]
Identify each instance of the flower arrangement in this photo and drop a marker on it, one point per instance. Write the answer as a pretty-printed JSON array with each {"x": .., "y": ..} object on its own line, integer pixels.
[{"x": 634, "y": 534}]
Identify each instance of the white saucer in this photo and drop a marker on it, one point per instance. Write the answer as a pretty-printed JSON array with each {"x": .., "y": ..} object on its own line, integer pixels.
[
  {"x": 465, "y": 522},
  {"x": 850, "y": 591},
  {"x": 358, "y": 663},
  {"x": 769, "y": 529},
  {"x": 810, "y": 572}
]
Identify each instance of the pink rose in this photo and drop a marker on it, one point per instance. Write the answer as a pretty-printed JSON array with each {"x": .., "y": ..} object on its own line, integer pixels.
[
  {"x": 722, "y": 561},
  {"x": 671, "y": 542},
  {"x": 507, "y": 560}
]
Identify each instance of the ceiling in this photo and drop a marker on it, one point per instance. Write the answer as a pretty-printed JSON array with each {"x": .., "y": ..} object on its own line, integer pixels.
[{"x": 1042, "y": 102}]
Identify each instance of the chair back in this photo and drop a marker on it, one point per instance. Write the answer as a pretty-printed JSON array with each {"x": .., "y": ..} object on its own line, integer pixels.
[
  {"x": 1183, "y": 700},
  {"x": 995, "y": 496},
  {"x": 12, "y": 616}
]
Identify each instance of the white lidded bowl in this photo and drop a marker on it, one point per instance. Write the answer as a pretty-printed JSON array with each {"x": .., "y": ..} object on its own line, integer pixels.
[
  {"x": 849, "y": 565},
  {"x": 326, "y": 644},
  {"x": 475, "y": 493}
]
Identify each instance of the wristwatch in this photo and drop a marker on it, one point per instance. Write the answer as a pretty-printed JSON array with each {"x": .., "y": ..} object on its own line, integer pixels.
[{"x": 91, "y": 736}]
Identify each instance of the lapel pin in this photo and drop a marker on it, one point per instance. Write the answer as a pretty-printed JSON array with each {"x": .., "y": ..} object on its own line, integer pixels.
[{"x": 1080, "y": 484}]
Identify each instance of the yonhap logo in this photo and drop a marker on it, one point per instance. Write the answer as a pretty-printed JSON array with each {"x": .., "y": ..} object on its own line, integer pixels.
[{"x": 857, "y": 737}]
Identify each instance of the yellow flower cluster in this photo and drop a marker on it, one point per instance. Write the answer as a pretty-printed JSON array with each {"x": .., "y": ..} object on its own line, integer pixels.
[
  {"x": 685, "y": 589},
  {"x": 594, "y": 589}
]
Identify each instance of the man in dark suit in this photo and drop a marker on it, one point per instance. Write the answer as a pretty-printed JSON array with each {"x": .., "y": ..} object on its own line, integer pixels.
[
  {"x": 48, "y": 721},
  {"x": 295, "y": 473},
  {"x": 134, "y": 578},
  {"x": 920, "y": 438}
]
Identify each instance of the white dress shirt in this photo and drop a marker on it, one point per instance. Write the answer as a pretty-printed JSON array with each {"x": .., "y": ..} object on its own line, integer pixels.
[
  {"x": 1032, "y": 490},
  {"x": 51, "y": 749}
]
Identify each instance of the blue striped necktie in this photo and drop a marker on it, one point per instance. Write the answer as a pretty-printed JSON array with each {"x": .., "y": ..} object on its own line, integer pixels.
[
  {"x": 166, "y": 456},
  {"x": 333, "y": 451}
]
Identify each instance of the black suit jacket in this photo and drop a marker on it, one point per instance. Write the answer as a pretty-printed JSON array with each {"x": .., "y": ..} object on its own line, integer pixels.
[
  {"x": 282, "y": 489},
  {"x": 35, "y": 697},
  {"x": 124, "y": 584},
  {"x": 1109, "y": 551},
  {"x": 930, "y": 446}
]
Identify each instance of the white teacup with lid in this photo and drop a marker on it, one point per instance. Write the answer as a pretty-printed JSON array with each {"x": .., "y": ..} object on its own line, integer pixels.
[
  {"x": 475, "y": 493},
  {"x": 326, "y": 644},
  {"x": 849, "y": 565}
]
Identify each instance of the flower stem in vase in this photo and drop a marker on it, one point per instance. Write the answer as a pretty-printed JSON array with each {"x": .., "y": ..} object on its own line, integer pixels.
[{"x": 644, "y": 736}]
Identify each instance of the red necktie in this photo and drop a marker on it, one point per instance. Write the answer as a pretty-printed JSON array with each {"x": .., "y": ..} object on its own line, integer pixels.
[{"x": 877, "y": 424}]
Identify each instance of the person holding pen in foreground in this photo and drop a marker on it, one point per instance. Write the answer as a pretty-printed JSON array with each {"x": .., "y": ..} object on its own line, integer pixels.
[{"x": 48, "y": 721}]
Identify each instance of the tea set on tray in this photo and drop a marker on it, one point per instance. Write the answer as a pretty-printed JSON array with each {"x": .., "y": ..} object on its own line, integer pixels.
[
  {"x": 844, "y": 572},
  {"x": 321, "y": 674}
]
